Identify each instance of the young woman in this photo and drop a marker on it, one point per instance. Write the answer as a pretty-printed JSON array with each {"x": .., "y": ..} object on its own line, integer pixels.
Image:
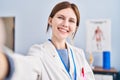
[
  {"x": 60, "y": 60},
  {"x": 56, "y": 59}
]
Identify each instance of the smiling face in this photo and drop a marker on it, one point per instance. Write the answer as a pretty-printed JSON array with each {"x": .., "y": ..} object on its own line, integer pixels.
[{"x": 63, "y": 23}]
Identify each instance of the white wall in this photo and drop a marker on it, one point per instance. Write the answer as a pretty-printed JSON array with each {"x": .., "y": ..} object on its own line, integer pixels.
[{"x": 31, "y": 21}]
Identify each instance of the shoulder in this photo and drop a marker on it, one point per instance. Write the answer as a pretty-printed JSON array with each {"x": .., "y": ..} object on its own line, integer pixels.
[
  {"x": 37, "y": 49},
  {"x": 76, "y": 49},
  {"x": 79, "y": 52}
]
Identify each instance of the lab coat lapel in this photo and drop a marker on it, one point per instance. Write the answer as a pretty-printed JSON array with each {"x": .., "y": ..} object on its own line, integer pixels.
[
  {"x": 70, "y": 59},
  {"x": 52, "y": 51}
]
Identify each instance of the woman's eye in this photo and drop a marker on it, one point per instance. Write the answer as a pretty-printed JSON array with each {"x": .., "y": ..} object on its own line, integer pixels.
[
  {"x": 72, "y": 21},
  {"x": 60, "y": 17}
]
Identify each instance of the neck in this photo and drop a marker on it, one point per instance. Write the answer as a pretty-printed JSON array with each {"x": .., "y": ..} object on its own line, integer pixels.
[{"x": 59, "y": 44}]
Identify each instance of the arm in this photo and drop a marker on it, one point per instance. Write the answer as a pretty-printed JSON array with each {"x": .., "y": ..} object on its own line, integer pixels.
[
  {"x": 21, "y": 67},
  {"x": 26, "y": 67},
  {"x": 4, "y": 66}
]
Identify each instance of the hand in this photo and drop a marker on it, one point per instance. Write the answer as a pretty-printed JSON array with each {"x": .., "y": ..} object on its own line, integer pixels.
[{"x": 4, "y": 66}]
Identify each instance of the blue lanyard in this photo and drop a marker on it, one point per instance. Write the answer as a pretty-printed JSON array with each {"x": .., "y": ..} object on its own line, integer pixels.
[
  {"x": 67, "y": 69},
  {"x": 75, "y": 74}
]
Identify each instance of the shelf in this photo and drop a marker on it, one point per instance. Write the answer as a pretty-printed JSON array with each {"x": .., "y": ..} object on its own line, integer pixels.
[{"x": 100, "y": 69}]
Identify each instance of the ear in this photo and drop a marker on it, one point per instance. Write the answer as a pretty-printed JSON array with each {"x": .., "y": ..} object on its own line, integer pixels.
[
  {"x": 76, "y": 29},
  {"x": 73, "y": 34},
  {"x": 50, "y": 21}
]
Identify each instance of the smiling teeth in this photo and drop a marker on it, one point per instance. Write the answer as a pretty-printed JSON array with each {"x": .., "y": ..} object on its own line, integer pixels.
[{"x": 63, "y": 30}]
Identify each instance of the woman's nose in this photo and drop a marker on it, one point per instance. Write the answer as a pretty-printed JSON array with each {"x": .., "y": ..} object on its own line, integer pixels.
[{"x": 65, "y": 23}]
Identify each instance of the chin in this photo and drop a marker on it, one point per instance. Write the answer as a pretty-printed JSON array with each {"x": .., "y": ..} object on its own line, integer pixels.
[{"x": 62, "y": 37}]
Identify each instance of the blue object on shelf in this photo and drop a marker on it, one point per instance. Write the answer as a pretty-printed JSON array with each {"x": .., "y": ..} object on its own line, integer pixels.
[{"x": 106, "y": 59}]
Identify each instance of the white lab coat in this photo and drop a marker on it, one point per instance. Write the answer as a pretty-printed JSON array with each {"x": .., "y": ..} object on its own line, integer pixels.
[{"x": 44, "y": 63}]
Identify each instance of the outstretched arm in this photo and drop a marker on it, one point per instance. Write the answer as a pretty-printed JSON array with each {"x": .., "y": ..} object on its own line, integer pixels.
[{"x": 4, "y": 66}]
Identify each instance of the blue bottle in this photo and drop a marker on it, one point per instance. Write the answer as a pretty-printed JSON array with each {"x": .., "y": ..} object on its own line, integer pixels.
[{"x": 106, "y": 60}]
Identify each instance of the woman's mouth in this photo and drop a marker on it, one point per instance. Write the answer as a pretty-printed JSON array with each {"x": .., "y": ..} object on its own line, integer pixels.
[{"x": 63, "y": 30}]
